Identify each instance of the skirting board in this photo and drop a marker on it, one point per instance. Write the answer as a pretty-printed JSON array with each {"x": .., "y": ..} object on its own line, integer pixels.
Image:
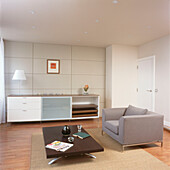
[{"x": 167, "y": 125}]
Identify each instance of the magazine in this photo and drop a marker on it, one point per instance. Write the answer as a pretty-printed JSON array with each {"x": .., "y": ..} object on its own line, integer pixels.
[{"x": 59, "y": 146}]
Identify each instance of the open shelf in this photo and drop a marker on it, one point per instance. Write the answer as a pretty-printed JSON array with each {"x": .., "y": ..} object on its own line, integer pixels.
[
  {"x": 85, "y": 107},
  {"x": 84, "y": 110}
]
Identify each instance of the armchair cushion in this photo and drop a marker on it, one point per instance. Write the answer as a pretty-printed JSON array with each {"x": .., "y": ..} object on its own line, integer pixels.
[
  {"x": 131, "y": 110},
  {"x": 113, "y": 125}
]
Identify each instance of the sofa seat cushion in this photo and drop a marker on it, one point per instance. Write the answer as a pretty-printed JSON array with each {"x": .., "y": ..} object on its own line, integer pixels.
[
  {"x": 113, "y": 125},
  {"x": 131, "y": 110}
]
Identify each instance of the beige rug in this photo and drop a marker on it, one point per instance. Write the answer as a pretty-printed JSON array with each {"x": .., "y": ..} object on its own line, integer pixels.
[{"x": 133, "y": 158}]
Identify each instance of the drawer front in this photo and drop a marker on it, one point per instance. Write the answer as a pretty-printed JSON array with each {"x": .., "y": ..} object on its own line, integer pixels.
[
  {"x": 23, "y": 115},
  {"x": 26, "y": 103},
  {"x": 30, "y": 99}
]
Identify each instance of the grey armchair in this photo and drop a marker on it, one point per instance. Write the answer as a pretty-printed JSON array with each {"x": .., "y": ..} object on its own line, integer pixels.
[{"x": 134, "y": 129}]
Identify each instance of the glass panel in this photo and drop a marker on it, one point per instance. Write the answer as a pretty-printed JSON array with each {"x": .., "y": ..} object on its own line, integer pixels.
[{"x": 53, "y": 108}]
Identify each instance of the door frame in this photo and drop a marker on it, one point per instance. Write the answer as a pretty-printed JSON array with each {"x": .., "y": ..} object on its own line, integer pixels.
[{"x": 153, "y": 87}]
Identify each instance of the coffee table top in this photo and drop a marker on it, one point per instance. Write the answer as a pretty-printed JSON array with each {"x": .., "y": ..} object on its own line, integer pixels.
[{"x": 87, "y": 145}]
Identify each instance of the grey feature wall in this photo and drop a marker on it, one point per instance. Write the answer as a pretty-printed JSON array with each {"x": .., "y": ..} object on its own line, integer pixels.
[{"x": 78, "y": 66}]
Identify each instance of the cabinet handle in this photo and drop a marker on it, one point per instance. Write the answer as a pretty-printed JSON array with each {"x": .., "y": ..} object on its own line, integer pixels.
[
  {"x": 24, "y": 110},
  {"x": 149, "y": 90},
  {"x": 24, "y": 103}
]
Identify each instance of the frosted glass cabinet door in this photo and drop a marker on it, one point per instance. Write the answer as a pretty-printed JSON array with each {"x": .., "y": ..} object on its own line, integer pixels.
[{"x": 56, "y": 108}]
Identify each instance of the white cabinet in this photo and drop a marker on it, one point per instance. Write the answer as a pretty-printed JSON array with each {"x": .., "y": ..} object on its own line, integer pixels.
[
  {"x": 23, "y": 109},
  {"x": 43, "y": 108}
]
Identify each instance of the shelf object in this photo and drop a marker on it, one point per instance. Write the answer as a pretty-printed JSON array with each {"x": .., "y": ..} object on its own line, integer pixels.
[
  {"x": 84, "y": 111},
  {"x": 84, "y": 115},
  {"x": 85, "y": 106}
]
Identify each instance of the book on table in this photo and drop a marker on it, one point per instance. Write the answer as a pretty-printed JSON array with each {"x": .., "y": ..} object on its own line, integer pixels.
[
  {"x": 59, "y": 146},
  {"x": 81, "y": 135}
]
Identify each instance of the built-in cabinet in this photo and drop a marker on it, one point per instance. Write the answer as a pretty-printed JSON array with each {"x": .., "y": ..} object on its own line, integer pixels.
[{"x": 44, "y": 108}]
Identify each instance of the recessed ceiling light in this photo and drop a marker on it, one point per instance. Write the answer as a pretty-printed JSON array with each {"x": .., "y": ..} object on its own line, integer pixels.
[
  {"x": 97, "y": 20},
  {"x": 115, "y": 1},
  {"x": 33, "y": 27},
  {"x": 32, "y": 12},
  {"x": 85, "y": 32}
]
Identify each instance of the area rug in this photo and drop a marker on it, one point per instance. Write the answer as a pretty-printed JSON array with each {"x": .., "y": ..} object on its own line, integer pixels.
[{"x": 133, "y": 158}]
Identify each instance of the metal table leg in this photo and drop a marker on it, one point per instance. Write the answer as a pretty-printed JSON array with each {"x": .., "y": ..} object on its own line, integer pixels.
[
  {"x": 92, "y": 156},
  {"x": 53, "y": 160}
]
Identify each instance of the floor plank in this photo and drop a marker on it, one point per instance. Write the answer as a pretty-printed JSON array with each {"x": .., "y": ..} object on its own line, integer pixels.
[{"x": 15, "y": 142}]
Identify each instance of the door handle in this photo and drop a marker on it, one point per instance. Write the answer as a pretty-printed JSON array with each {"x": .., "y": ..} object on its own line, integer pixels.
[{"x": 149, "y": 90}]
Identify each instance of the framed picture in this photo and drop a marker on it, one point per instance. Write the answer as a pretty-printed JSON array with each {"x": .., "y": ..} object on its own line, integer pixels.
[{"x": 53, "y": 66}]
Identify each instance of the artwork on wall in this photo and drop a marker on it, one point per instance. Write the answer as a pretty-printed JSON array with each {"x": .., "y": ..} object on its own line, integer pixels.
[{"x": 53, "y": 66}]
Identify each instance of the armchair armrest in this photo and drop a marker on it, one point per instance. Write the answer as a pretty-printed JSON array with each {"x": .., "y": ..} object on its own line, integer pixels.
[
  {"x": 141, "y": 128},
  {"x": 112, "y": 113}
]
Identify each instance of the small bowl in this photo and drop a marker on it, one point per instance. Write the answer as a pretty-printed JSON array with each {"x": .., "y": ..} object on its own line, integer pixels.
[{"x": 71, "y": 139}]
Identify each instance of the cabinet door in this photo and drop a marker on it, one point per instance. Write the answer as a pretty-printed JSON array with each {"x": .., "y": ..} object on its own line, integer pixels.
[{"x": 56, "y": 108}]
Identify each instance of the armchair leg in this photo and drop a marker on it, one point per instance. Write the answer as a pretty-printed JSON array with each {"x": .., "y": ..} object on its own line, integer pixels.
[
  {"x": 123, "y": 148},
  {"x": 161, "y": 143},
  {"x": 102, "y": 133}
]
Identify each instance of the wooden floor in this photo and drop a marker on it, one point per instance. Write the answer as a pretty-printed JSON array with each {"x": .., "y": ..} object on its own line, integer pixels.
[{"x": 15, "y": 142}]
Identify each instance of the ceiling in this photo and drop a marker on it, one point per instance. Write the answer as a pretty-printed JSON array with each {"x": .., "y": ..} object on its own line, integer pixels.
[{"x": 85, "y": 22}]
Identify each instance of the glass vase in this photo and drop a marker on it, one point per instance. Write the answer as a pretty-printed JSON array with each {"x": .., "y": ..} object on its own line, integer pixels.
[{"x": 85, "y": 92}]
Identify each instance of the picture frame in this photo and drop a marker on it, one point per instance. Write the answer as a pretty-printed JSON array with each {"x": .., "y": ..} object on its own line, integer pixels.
[{"x": 53, "y": 66}]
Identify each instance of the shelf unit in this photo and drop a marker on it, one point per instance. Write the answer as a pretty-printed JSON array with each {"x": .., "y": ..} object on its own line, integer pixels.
[{"x": 22, "y": 108}]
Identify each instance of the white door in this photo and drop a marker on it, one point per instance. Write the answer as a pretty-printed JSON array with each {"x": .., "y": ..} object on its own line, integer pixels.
[{"x": 146, "y": 83}]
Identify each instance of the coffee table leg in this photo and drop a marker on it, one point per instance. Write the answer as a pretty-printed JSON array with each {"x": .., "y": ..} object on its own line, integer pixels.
[
  {"x": 88, "y": 154},
  {"x": 53, "y": 160}
]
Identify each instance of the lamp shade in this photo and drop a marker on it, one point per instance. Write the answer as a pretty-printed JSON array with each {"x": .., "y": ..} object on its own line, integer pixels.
[{"x": 19, "y": 75}]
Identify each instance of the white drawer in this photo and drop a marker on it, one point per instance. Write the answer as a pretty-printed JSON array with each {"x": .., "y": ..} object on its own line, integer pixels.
[
  {"x": 23, "y": 115},
  {"x": 26, "y": 103},
  {"x": 30, "y": 99}
]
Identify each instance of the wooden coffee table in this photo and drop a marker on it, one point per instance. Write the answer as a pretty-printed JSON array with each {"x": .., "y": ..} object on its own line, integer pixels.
[{"x": 81, "y": 146}]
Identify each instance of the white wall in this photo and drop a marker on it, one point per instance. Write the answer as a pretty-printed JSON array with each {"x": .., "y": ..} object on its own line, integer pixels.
[
  {"x": 109, "y": 77},
  {"x": 121, "y": 75},
  {"x": 78, "y": 66},
  {"x": 161, "y": 49}
]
